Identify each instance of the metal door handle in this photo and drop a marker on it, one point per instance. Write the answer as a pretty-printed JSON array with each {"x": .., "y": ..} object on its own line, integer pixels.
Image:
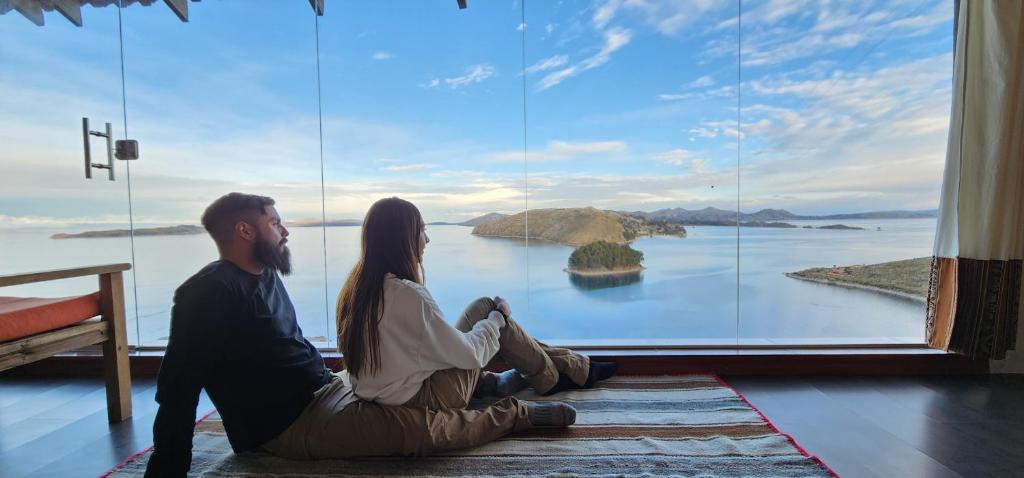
[{"x": 86, "y": 132}]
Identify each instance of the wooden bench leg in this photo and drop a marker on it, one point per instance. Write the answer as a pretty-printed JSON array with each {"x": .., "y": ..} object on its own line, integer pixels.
[{"x": 115, "y": 349}]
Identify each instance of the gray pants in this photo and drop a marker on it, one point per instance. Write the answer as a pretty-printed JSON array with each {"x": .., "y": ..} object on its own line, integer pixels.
[{"x": 337, "y": 424}]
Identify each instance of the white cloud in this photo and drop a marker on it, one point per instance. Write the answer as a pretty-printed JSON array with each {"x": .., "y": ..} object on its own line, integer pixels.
[
  {"x": 870, "y": 94},
  {"x": 548, "y": 63},
  {"x": 521, "y": 27},
  {"x": 675, "y": 157},
  {"x": 703, "y": 133},
  {"x": 836, "y": 26},
  {"x": 668, "y": 17},
  {"x": 552, "y": 79},
  {"x": 565, "y": 147},
  {"x": 473, "y": 74},
  {"x": 564, "y": 150},
  {"x": 677, "y": 96},
  {"x": 701, "y": 82},
  {"x": 433, "y": 83},
  {"x": 604, "y": 13},
  {"x": 408, "y": 168},
  {"x": 774, "y": 10},
  {"x": 727, "y": 23},
  {"x": 383, "y": 55},
  {"x": 720, "y": 92},
  {"x": 614, "y": 39}
]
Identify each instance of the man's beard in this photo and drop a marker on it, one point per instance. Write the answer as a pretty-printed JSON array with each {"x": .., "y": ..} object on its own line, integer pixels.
[{"x": 276, "y": 256}]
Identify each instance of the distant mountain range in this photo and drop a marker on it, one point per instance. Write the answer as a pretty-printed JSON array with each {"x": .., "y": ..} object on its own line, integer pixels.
[
  {"x": 708, "y": 216},
  {"x": 180, "y": 230},
  {"x": 577, "y": 226},
  {"x": 476, "y": 221},
  {"x": 715, "y": 216},
  {"x": 711, "y": 216}
]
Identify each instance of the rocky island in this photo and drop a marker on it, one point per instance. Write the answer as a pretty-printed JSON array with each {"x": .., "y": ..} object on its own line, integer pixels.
[
  {"x": 577, "y": 226},
  {"x": 180, "y": 230},
  {"x": 605, "y": 258}
]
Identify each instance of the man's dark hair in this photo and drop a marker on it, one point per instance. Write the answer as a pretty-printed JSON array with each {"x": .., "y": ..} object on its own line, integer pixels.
[{"x": 220, "y": 217}]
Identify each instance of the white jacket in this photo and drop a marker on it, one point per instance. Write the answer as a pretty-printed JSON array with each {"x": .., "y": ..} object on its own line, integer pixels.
[{"x": 416, "y": 341}]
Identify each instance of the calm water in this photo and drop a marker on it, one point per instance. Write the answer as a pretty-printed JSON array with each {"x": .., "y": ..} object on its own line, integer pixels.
[{"x": 688, "y": 292}]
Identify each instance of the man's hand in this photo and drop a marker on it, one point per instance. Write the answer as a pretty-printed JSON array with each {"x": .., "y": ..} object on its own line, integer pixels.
[{"x": 502, "y": 305}]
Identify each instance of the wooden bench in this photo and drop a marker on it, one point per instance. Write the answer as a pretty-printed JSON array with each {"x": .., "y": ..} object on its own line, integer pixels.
[{"x": 109, "y": 330}]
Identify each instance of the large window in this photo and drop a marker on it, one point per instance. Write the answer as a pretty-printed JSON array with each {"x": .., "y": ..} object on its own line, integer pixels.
[
  {"x": 844, "y": 113},
  {"x": 776, "y": 165},
  {"x": 50, "y": 79}
]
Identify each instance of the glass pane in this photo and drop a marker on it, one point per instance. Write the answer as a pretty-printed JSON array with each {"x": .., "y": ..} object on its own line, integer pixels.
[
  {"x": 52, "y": 76},
  {"x": 844, "y": 120},
  {"x": 225, "y": 102},
  {"x": 632, "y": 140},
  {"x": 423, "y": 101}
]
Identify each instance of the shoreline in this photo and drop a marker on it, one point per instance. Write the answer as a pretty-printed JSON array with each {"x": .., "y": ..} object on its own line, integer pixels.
[
  {"x": 851, "y": 285},
  {"x": 541, "y": 239},
  {"x": 619, "y": 272}
]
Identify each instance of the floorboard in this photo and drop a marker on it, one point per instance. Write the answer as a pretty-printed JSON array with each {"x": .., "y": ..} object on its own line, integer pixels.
[{"x": 935, "y": 426}]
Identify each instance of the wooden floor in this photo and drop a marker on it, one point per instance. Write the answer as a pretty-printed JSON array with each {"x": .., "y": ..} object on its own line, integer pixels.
[{"x": 861, "y": 426}]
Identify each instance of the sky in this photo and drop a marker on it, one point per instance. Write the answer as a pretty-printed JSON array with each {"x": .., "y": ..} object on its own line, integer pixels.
[{"x": 818, "y": 107}]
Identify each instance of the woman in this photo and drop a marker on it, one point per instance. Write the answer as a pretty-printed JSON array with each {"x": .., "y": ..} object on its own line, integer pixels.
[{"x": 399, "y": 350}]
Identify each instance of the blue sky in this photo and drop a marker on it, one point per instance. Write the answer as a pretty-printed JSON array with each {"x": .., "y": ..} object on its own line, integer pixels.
[{"x": 629, "y": 104}]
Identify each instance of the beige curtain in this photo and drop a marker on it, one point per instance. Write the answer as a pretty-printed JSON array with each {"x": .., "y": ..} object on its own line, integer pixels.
[{"x": 974, "y": 298}]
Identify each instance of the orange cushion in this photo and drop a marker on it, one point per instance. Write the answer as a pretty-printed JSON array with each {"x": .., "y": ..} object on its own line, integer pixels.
[{"x": 24, "y": 316}]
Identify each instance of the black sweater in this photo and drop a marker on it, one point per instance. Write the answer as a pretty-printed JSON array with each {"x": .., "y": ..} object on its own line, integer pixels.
[{"x": 234, "y": 334}]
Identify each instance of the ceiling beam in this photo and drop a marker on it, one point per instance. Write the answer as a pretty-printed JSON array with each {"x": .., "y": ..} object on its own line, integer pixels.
[
  {"x": 30, "y": 9},
  {"x": 71, "y": 9},
  {"x": 179, "y": 7}
]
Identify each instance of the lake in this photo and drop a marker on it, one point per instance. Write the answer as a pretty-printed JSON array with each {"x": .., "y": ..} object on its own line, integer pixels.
[{"x": 690, "y": 291}]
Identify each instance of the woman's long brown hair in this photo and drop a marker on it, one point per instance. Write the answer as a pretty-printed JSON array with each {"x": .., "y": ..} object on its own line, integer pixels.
[{"x": 390, "y": 243}]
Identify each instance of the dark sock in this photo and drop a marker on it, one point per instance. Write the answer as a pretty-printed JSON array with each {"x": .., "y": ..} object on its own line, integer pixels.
[
  {"x": 550, "y": 414},
  {"x": 598, "y": 371},
  {"x": 504, "y": 384},
  {"x": 508, "y": 383}
]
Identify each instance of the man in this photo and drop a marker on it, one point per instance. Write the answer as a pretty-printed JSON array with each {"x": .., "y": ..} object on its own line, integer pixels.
[{"x": 234, "y": 333}]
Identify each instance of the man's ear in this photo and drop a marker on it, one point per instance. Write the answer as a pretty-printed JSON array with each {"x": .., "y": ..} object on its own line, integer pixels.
[{"x": 245, "y": 230}]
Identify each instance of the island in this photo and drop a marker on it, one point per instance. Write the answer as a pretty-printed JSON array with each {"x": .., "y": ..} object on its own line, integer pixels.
[
  {"x": 476, "y": 221},
  {"x": 577, "y": 226},
  {"x": 180, "y": 230},
  {"x": 907, "y": 279},
  {"x": 842, "y": 227},
  {"x": 605, "y": 258},
  {"x": 782, "y": 225},
  {"x": 711, "y": 216}
]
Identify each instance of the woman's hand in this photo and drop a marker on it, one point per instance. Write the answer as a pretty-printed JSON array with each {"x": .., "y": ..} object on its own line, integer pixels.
[{"x": 502, "y": 305}]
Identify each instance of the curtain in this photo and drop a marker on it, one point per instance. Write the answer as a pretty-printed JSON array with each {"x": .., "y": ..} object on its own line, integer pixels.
[{"x": 975, "y": 288}]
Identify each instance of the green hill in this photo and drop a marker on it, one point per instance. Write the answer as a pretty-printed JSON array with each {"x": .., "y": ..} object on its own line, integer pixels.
[
  {"x": 601, "y": 256},
  {"x": 907, "y": 277},
  {"x": 576, "y": 226}
]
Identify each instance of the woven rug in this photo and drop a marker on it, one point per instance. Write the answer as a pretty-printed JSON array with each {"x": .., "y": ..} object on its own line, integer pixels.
[{"x": 693, "y": 425}]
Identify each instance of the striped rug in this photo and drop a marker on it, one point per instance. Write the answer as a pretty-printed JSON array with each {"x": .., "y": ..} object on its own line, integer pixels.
[{"x": 693, "y": 425}]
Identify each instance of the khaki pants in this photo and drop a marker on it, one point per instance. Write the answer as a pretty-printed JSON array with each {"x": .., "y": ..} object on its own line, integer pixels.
[
  {"x": 336, "y": 424},
  {"x": 537, "y": 362}
]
